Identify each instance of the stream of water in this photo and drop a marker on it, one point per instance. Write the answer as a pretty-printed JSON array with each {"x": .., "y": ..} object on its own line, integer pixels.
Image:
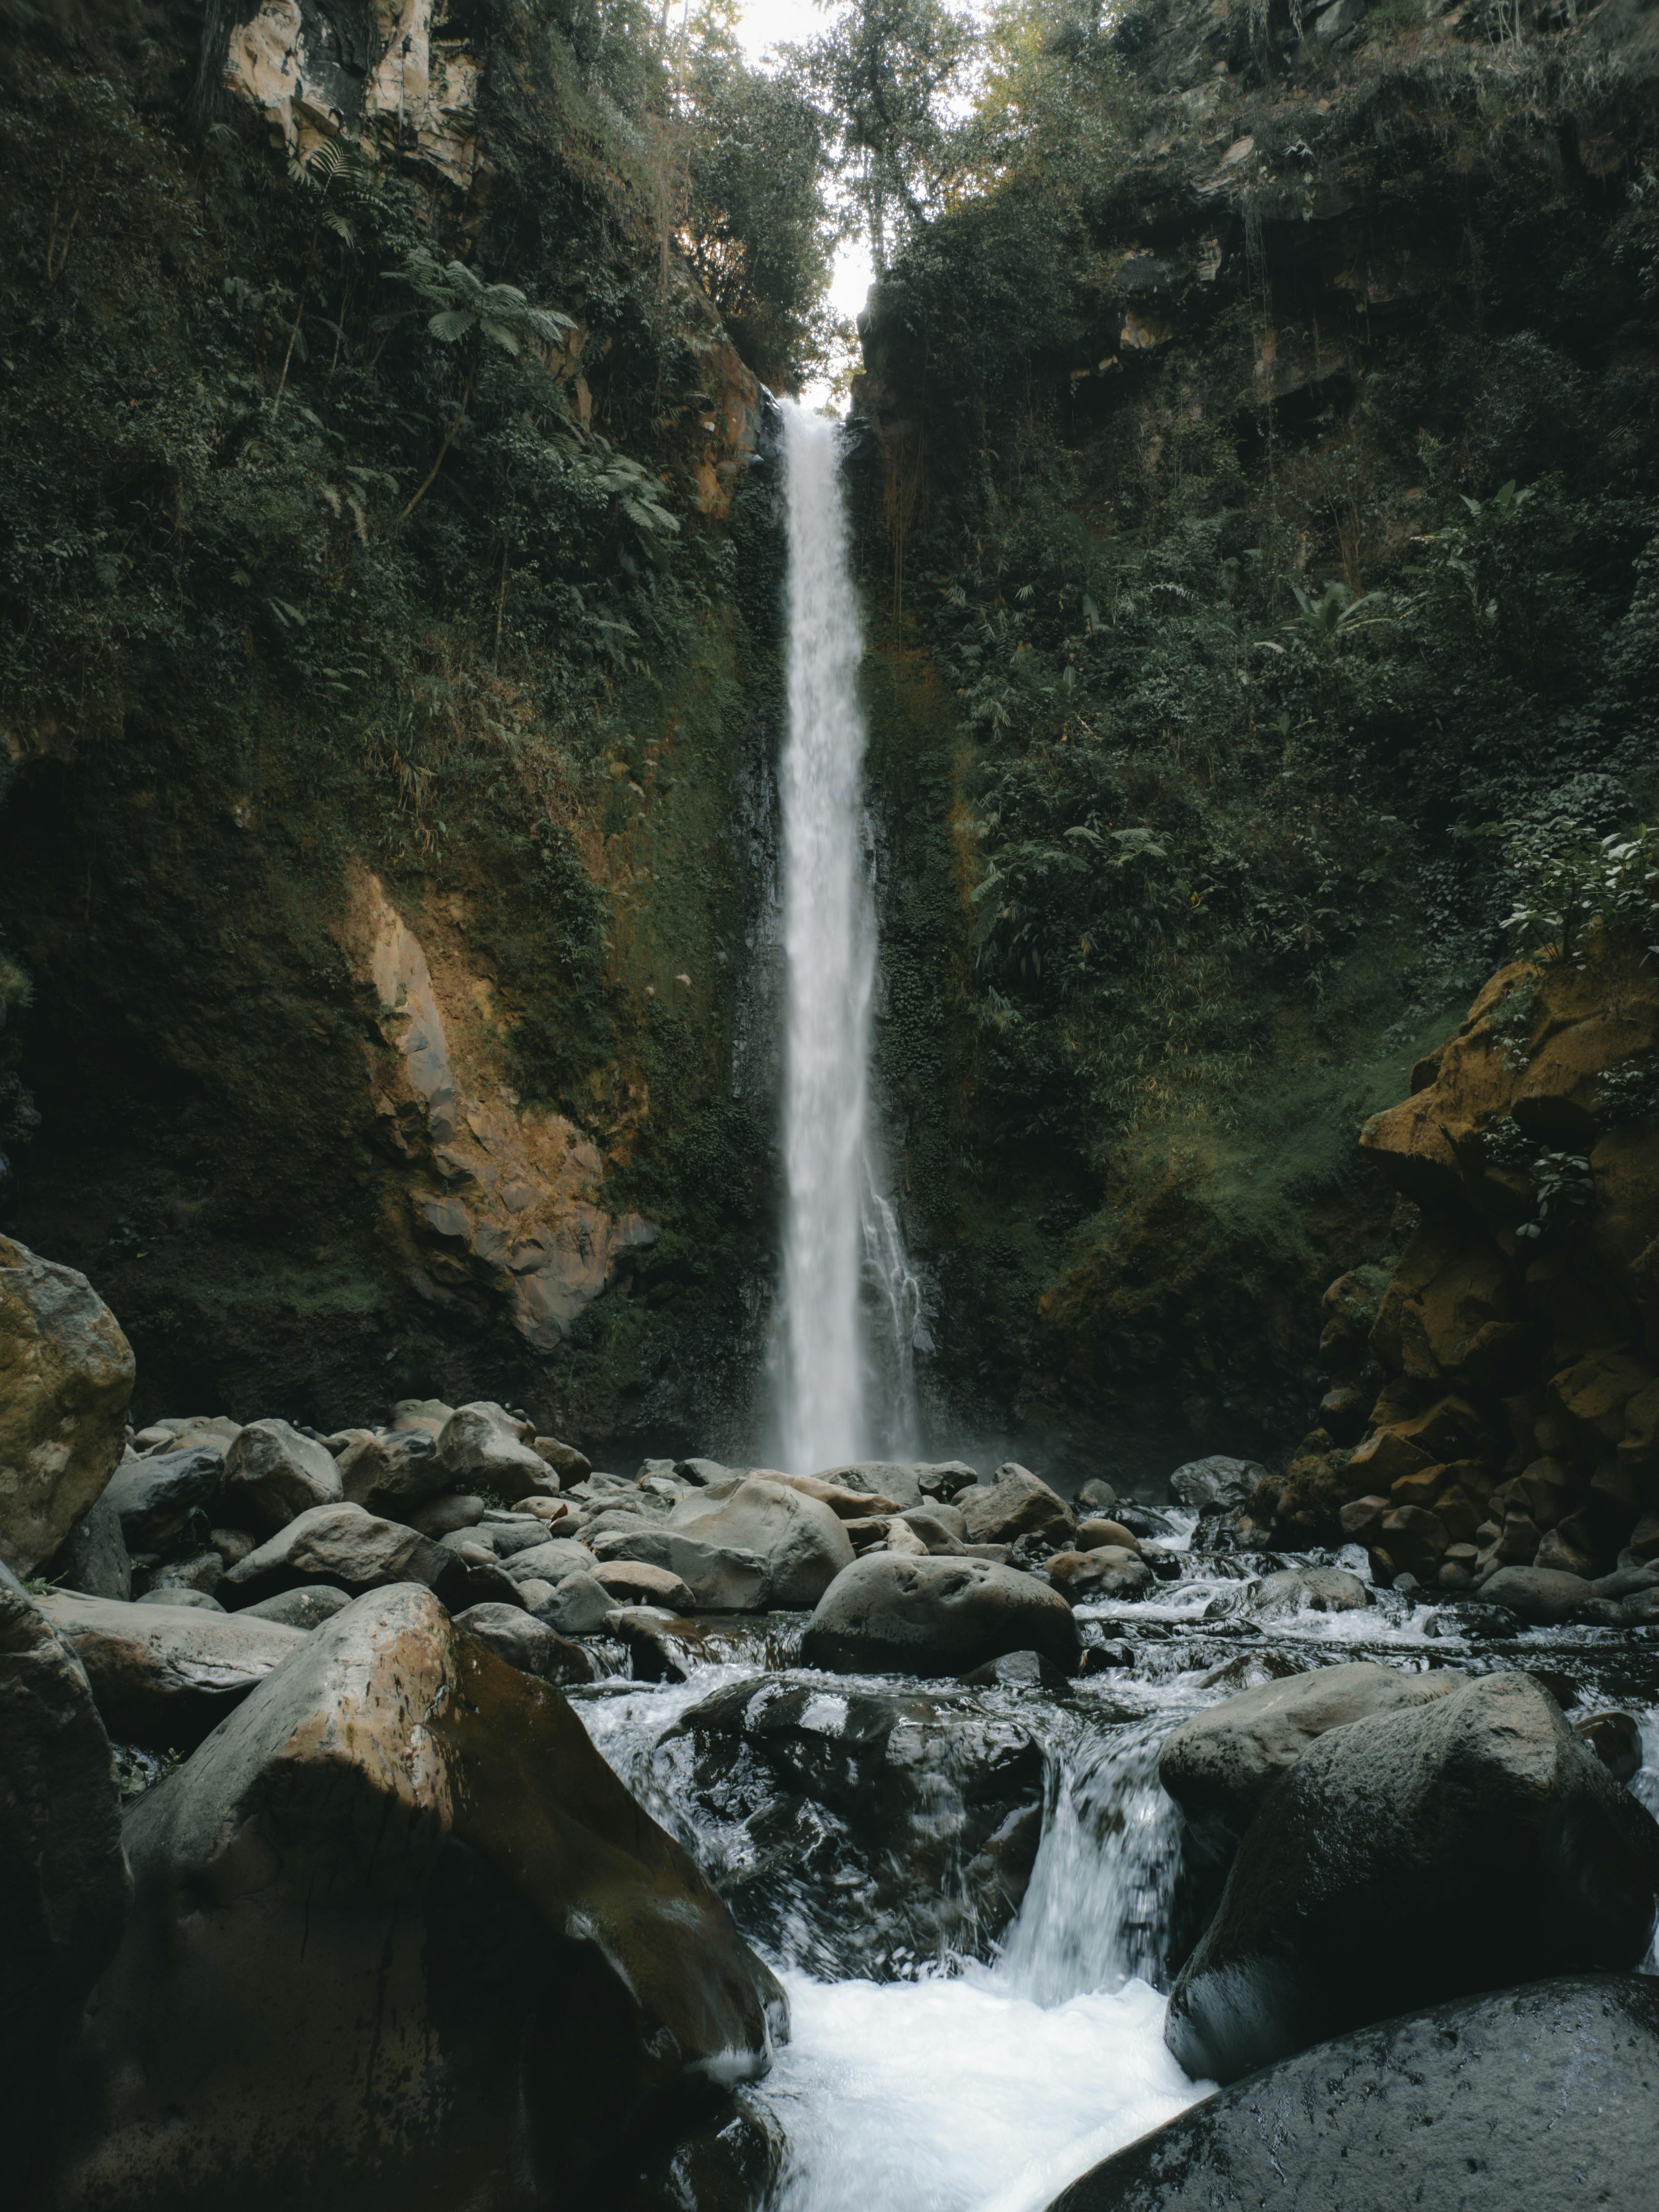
[
  {"x": 983, "y": 2072},
  {"x": 844, "y": 1259}
]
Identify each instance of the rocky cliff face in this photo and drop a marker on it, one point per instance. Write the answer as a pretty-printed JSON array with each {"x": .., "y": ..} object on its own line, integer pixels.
[
  {"x": 1501, "y": 1387},
  {"x": 392, "y": 1026},
  {"x": 1192, "y": 452}
]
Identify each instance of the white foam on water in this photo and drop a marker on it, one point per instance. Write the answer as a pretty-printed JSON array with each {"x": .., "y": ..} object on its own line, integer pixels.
[{"x": 956, "y": 2094}]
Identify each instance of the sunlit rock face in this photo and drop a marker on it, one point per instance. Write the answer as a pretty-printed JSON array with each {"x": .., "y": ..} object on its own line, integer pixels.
[
  {"x": 389, "y": 74},
  {"x": 500, "y": 1196}
]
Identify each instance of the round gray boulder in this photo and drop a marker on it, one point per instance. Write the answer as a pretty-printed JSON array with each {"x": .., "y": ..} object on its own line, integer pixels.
[{"x": 935, "y": 1616}]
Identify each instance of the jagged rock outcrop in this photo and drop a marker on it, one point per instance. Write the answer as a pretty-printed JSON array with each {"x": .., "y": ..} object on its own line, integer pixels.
[{"x": 1511, "y": 1360}]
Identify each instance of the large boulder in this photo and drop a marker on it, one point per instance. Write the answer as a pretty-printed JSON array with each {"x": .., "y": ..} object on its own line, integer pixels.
[
  {"x": 157, "y": 1496},
  {"x": 935, "y": 1616},
  {"x": 273, "y": 1474},
  {"x": 1542, "y": 2097},
  {"x": 800, "y": 1543},
  {"x": 1107, "y": 1573},
  {"x": 393, "y": 1472},
  {"x": 527, "y": 1643},
  {"x": 65, "y": 1378},
  {"x": 718, "y": 1578},
  {"x": 1281, "y": 1596},
  {"x": 1217, "y": 1483},
  {"x": 165, "y": 1674},
  {"x": 484, "y": 1447},
  {"x": 550, "y": 1561},
  {"x": 1219, "y": 1765},
  {"x": 1016, "y": 1504},
  {"x": 344, "y": 1544},
  {"x": 1542, "y": 1596},
  {"x": 1412, "y": 1857},
  {"x": 65, "y": 1880},
  {"x": 400, "y": 1936}
]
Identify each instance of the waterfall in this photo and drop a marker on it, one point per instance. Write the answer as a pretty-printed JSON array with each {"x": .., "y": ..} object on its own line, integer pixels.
[{"x": 841, "y": 1232}]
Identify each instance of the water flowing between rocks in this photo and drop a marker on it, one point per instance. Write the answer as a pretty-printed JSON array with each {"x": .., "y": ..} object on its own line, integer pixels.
[{"x": 842, "y": 1817}]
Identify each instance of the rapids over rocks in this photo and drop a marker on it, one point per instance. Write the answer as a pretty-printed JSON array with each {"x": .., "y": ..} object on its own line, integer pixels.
[{"x": 976, "y": 1893}]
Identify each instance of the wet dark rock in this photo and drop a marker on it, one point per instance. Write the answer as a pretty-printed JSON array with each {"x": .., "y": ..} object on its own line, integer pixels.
[
  {"x": 1216, "y": 1481},
  {"x": 1085, "y": 1577},
  {"x": 1616, "y": 1739},
  {"x": 875, "y": 1824},
  {"x": 731, "y": 2162},
  {"x": 157, "y": 1498},
  {"x": 928, "y": 1616},
  {"x": 402, "y": 1862},
  {"x": 1546, "y": 2097},
  {"x": 352, "y": 1549},
  {"x": 307, "y": 1607},
  {"x": 1107, "y": 1658},
  {"x": 1220, "y": 1764},
  {"x": 1308, "y": 1590},
  {"x": 95, "y": 1559},
  {"x": 1542, "y": 1596},
  {"x": 1411, "y": 1857},
  {"x": 527, "y": 1643},
  {"x": 1017, "y": 1670},
  {"x": 272, "y": 1473},
  {"x": 167, "y": 1674},
  {"x": 66, "y": 1887}
]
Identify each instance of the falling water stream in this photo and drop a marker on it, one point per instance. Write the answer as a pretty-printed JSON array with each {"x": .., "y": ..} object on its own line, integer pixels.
[{"x": 844, "y": 1256}]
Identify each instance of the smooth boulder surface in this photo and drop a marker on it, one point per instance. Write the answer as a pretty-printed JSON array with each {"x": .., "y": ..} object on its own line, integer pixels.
[
  {"x": 348, "y": 1547},
  {"x": 1543, "y": 1597},
  {"x": 1307, "y": 1589},
  {"x": 580, "y": 1605},
  {"x": 550, "y": 1561},
  {"x": 527, "y": 1643},
  {"x": 935, "y": 1616},
  {"x": 1219, "y": 1765},
  {"x": 272, "y": 1473},
  {"x": 1413, "y": 1857},
  {"x": 718, "y": 1578},
  {"x": 167, "y": 1674},
  {"x": 800, "y": 1543},
  {"x": 65, "y": 1888},
  {"x": 1016, "y": 1504},
  {"x": 1108, "y": 1572},
  {"x": 482, "y": 1445},
  {"x": 1542, "y": 2099},
  {"x": 65, "y": 1377},
  {"x": 401, "y": 1937}
]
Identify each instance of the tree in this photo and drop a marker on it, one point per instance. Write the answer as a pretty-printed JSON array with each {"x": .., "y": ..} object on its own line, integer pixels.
[
  {"x": 889, "y": 71},
  {"x": 756, "y": 230}
]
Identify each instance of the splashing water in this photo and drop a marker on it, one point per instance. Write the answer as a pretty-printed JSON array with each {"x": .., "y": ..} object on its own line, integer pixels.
[
  {"x": 840, "y": 1229},
  {"x": 972, "y": 2086}
]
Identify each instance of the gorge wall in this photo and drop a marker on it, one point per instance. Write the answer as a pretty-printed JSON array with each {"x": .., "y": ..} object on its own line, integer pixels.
[{"x": 1256, "y": 481}]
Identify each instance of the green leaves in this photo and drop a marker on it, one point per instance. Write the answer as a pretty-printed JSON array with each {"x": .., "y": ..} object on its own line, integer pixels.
[{"x": 465, "y": 307}]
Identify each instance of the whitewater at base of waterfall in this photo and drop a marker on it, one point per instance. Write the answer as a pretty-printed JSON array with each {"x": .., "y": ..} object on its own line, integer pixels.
[{"x": 851, "y": 1319}]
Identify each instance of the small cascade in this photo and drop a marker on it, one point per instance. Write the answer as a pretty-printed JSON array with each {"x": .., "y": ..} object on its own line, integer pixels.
[{"x": 842, "y": 1248}]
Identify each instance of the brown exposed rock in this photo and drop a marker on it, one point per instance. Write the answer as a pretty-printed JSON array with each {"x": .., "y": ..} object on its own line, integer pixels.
[{"x": 65, "y": 1377}]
